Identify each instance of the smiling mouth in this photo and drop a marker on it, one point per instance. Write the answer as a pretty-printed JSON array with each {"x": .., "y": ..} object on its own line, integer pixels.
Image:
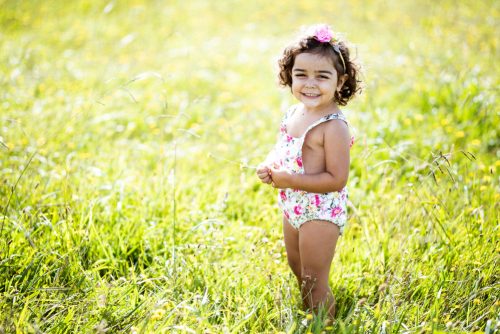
[{"x": 310, "y": 94}]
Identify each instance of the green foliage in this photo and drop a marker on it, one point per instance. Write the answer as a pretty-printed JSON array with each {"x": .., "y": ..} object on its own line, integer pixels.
[{"x": 128, "y": 132}]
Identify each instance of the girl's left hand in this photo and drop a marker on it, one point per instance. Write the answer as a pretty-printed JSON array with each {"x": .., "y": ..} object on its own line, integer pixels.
[
  {"x": 280, "y": 178},
  {"x": 264, "y": 174}
]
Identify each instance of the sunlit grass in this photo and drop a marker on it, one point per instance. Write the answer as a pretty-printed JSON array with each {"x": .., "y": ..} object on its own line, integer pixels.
[{"x": 125, "y": 133}]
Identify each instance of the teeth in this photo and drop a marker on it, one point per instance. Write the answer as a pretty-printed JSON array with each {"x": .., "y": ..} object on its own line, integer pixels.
[{"x": 306, "y": 94}]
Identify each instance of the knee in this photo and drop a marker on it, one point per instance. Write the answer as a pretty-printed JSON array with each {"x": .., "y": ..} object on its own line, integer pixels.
[
  {"x": 309, "y": 282},
  {"x": 295, "y": 265}
]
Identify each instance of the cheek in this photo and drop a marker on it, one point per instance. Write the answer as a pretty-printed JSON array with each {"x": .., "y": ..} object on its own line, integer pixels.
[{"x": 329, "y": 87}]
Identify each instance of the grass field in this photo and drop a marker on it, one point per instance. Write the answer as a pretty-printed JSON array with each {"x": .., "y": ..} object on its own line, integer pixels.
[{"x": 128, "y": 133}]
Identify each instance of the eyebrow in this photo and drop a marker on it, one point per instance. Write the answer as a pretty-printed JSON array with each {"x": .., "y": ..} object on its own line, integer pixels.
[{"x": 323, "y": 71}]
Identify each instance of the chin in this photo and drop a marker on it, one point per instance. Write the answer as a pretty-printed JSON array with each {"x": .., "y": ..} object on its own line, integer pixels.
[{"x": 311, "y": 104}]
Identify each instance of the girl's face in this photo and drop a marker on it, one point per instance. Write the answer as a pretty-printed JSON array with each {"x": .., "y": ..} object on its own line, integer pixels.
[{"x": 314, "y": 81}]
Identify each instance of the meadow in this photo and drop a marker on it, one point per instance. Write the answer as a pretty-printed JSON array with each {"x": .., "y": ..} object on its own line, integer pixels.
[{"x": 129, "y": 133}]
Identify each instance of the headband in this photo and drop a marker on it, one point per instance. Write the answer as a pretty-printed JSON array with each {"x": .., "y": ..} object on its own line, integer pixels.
[{"x": 324, "y": 34}]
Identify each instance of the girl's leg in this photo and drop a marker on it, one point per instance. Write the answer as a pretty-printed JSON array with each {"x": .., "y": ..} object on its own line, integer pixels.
[
  {"x": 292, "y": 248},
  {"x": 317, "y": 241}
]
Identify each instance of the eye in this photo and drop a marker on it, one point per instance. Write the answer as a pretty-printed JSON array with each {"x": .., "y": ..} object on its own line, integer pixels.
[
  {"x": 300, "y": 75},
  {"x": 324, "y": 77}
]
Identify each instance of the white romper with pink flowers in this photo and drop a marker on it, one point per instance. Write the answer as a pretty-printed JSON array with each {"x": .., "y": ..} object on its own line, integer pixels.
[{"x": 300, "y": 206}]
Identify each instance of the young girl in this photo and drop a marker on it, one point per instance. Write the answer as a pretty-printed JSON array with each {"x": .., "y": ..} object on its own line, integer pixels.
[{"x": 310, "y": 162}]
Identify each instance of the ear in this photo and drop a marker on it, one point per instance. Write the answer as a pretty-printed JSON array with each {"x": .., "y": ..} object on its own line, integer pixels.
[{"x": 341, "y": 81}]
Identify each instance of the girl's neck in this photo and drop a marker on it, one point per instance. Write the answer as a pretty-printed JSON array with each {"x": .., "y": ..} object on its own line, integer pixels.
[{"x": 323, "y": 111}]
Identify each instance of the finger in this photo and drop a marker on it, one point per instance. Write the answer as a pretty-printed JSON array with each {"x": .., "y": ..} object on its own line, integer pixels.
[{"x": 263, "y": 176}]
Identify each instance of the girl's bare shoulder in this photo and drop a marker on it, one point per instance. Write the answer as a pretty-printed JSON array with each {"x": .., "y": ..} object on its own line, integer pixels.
[{"x": 336, "y": 130}]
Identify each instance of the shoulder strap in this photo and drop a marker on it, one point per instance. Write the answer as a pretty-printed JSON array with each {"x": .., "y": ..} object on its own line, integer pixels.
[
  {"x": 336, "y": 116},
  {"x": 325, "y": 119},
  {"x": 291, "y": 110}
]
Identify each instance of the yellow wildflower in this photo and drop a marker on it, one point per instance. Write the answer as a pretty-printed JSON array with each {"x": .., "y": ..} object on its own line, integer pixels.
[{"x": 157, "y": 314}]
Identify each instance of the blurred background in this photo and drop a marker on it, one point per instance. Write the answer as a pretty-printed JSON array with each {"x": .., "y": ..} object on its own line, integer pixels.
[{"x": 128, "y": 135}]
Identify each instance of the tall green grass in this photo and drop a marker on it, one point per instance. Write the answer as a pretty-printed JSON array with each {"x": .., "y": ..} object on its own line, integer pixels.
[{"x": 127, "y": 135}]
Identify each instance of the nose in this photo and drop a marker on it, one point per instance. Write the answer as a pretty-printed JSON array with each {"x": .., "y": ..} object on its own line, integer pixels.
[{"x": 310, "y": 83}]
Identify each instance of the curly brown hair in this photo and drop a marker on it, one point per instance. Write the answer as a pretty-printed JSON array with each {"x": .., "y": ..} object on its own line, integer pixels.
[{"x": 310, "y": 44}]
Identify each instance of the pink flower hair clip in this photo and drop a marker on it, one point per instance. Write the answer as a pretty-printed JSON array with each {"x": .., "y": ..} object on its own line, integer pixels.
[{"x": 324, "y": 34}]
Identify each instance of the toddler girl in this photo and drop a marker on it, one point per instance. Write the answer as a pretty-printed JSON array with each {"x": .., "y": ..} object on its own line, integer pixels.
[{"x": 310, "y": 162}]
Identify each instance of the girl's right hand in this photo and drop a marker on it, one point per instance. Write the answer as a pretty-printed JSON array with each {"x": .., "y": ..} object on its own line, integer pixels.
[{"x": 264, "y": 174}]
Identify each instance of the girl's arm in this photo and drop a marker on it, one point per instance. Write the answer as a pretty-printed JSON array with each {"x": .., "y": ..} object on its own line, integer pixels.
[{"x": 336, "y": 145}]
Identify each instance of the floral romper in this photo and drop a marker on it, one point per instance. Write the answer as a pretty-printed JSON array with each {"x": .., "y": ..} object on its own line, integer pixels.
[{"x": 300, "y": 206}]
